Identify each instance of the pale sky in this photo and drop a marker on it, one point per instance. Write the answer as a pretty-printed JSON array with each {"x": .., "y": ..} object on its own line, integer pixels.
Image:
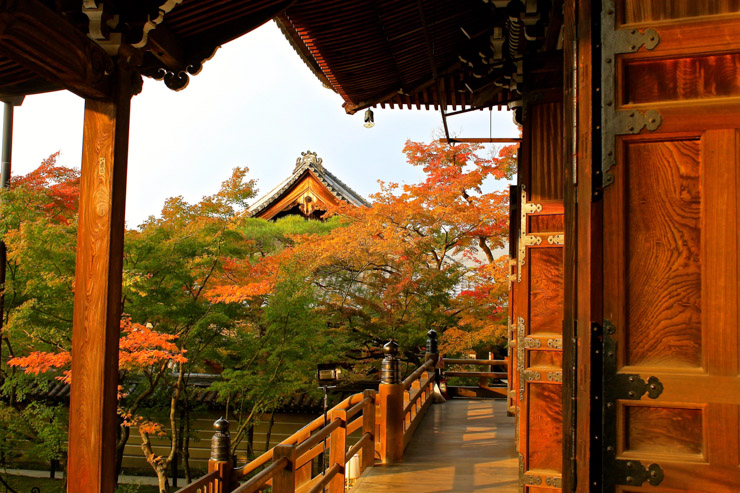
[{"x": 254, "y": 104}]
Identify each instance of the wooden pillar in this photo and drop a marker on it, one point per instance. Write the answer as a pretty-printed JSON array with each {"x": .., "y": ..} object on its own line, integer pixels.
[
  {"x": 97, "y": 304},
  {"x": 390, "y": 398},
  {"x": 390, "y": 406}
]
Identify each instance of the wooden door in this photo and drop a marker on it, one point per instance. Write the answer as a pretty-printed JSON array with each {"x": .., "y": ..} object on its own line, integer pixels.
[
  {"x": 512, "y": 401},
  {"x": 671, "y": 402},
  {"x": 539, "y": 300}
]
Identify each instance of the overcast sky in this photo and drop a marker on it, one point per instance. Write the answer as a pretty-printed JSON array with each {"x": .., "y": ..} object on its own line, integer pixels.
[{"x": 255, "y": 104}]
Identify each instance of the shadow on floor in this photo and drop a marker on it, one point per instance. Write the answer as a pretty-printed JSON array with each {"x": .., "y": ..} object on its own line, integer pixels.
[{"x": 461, "y": 446}]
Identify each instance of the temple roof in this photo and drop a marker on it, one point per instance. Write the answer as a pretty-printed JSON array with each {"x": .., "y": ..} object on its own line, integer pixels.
[
  {"x": 463, "y": 53},
  {"x": 309, "y": 169}
]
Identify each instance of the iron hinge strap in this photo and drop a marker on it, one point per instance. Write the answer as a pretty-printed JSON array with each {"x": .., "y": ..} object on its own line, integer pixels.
[
  {"x": 613, "y": 122},
  {"x": 526, "y": 240},
  {"x": 622, "y": 386},
  {"x": 634, "y": 473}
]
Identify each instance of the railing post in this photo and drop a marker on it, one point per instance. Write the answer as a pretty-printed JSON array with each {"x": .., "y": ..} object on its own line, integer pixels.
[
  {"x": 284, "y": 480},
  {"x": 338, "y": 450},
  {"x": 368, "y": 426},
  {"x": 415, "y": 387},
  {"x": 221, "y": 456},
  {"x": 390, "y": 398},
  {"x": 433, "y": 354}
]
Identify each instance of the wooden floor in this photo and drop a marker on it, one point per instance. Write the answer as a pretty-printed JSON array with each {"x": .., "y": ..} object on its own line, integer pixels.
[{"x": 461, "y": 446}]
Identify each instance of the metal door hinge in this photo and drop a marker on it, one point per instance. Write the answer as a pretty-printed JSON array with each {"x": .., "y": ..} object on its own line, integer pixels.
[
  {"x": 531, "y": 342},
  {"x": 554, "y": 481},
  {"x": 556, "y": 239},
  {"x": 531, "y": 479},
  {"x": 556, "y": 343},
  {"x": 529, "y": 375},
  {"x": 623, "y": 385},
  {"x": 633, "y": 473},
  {"x": 631, "y": 40},
  {"x": 555, "y": 376},
  {"x": 526, "y": 240},
  {"x": 613, "y": 122},
  {"x": 520, "y": 354}
]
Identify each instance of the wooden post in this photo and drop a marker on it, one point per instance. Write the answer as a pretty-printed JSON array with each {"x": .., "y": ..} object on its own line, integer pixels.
[
  {"x": 390, "y": 397},
  {"x": 338, "y": 450},
  {"x": 303, "y": 474},
  {"x": 415, "y": 387},
  {"x": 368, "y": 426},
  {"x": 221, "y": 456},
  {"x": 93, "y": 420},
  {"x": 284, "y": 480}
]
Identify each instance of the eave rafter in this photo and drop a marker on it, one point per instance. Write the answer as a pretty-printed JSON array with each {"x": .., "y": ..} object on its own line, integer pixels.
[
  {"x": 76, "y": 45},
  {"x": 39, "y": 39}
]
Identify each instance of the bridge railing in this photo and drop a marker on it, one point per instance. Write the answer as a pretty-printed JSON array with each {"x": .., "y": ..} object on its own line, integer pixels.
[
  {"x": 387, "y": 419},
  {"x": 484, "y": 377}
]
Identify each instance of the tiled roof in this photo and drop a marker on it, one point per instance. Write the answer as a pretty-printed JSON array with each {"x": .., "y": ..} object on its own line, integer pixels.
[{"x": 309, "y": 161}]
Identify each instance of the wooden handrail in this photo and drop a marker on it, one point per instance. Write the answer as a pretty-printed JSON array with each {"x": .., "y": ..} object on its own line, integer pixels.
[
  {"x": 317, "y": 438},
  {"x": 477, "y": 374},
  {"x": 480, "y": 362},
  {"x": 208, "y": 480},
  {"x": 258, "y": 481},
  {"x": 414, "y": 396},
  {"x": 417, "y": 374},
  {"x": 295, "y": 438},
  {"x": 357, "y": 446},
  {"x": 333, "y": 471},
  {"x": 357, "y": 407}
]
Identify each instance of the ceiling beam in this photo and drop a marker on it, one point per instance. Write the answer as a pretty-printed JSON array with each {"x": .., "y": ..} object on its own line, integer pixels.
[
  {"x": 430, "y": 53},
  {"x": 37, "y": 38}
]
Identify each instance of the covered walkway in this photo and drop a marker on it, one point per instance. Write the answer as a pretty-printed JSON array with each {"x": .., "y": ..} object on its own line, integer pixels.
[{"x": 461, "y": 446}]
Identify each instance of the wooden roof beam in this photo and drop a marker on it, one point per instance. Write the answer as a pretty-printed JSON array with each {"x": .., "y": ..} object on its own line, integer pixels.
[
  {"x": 430, "y": 53},
  {"x": 37, "y": 38},
  {"x": 165, "y": 46}
]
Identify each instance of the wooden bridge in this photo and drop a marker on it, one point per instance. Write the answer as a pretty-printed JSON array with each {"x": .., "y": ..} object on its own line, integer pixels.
[{"x": 458, "y": 445}]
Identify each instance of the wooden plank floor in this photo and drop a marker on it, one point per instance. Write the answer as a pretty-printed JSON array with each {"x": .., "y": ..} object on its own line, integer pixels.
[{"x": 461, "y": 446}]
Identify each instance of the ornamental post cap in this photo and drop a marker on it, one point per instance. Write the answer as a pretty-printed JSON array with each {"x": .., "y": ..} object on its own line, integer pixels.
[
  {"x": 221, "y": 425},
  {"x": 390, "y": 348}
]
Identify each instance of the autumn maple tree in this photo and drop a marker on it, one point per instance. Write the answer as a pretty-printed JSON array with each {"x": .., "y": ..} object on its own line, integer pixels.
[{"x": 422, "y": 257}]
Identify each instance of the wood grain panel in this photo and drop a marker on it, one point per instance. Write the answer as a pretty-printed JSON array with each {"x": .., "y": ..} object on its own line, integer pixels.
[
  {"x": 663, "y": 430},
  {"x": 546, "y": 223},
  {"x": 545, "y": 438},
  {"x": 546, "y": 358},
  {"x": 546, "y": 290},
  {"x": 638, "y": 11},
  {"x": 663, "y": 250},
  {"x": 681, "y": 79},
  {"x": 93, "y": 421},
  {"x": 546, "y": 152}
]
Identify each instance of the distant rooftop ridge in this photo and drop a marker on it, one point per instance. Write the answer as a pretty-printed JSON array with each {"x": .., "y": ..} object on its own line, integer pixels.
[{"x": 309, "y": 161}]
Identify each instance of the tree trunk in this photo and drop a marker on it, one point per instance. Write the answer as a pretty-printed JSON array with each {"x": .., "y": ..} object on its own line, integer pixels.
[
  {"x": 125, "y": 432},
  {"x": 269, "y": 430},
  {"x": 162, "y": 483},
  {"x": 250, "y": 443},
  {"x": 186, "y": 448}
]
